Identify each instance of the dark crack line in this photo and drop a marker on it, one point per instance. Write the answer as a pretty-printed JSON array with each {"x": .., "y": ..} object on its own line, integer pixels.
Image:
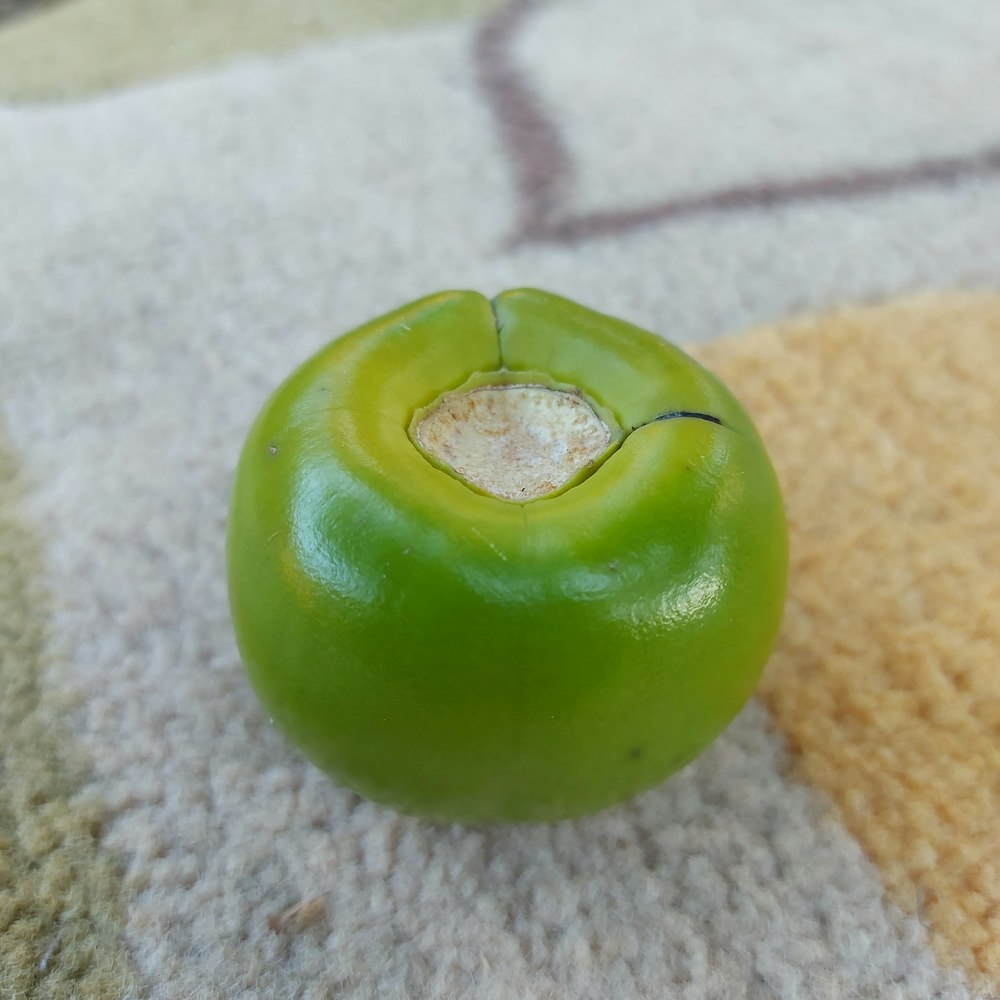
[
  {"x": 680, "y": 415},
  {"x": 675, "y": 414}
]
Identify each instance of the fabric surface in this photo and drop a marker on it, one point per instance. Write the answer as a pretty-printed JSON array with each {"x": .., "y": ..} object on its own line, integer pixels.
[
  {"x": 86, "y": 46},
  {"x": 169, "y": 253},
  {"x": 9, "y": 8}
]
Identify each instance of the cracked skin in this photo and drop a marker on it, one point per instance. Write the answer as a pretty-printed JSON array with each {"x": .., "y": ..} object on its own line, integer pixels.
[{"x": 465, "y": 657}]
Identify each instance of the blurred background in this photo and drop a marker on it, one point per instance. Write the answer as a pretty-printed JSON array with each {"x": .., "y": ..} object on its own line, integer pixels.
[
  {"x": 68, "y": 48},
  {"x": 196, "y": 195},
  {"x": 695, "y": 167}
]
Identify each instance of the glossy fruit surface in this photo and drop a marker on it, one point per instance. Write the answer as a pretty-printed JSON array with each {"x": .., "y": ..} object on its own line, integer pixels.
[{"x": 466, "y": 657}]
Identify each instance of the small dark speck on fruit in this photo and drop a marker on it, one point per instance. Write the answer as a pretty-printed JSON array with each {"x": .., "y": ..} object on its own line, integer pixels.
[
  {"x": 635, "y": 752},
  {"x": 272, "y": 449}
]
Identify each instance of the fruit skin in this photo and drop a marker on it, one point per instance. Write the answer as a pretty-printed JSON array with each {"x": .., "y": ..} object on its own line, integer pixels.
[{"x": 466, "y": 658}]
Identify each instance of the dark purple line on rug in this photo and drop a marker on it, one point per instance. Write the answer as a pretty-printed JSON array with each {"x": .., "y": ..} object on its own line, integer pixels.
[
  {"x": 540, "y": 160},
  {"x": 543, "y": 165},
  {"x": 937, "y": 172}
]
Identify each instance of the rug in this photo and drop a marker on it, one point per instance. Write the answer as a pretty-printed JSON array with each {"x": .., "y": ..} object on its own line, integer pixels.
[{"x": 809, "y": 200}]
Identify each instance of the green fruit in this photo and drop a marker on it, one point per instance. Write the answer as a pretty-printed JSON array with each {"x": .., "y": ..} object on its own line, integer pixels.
[{"x": 457, "y": 654}]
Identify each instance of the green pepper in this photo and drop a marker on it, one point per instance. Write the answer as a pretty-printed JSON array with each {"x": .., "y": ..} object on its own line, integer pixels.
[{"x": 508, "y": 560}]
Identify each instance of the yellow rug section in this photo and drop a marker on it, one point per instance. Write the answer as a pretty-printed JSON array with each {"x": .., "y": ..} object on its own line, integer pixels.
[
  {"x": 61, "y": 905},
  {"x": 85, "y": 46},
  {"x": 884, "y": 424}
]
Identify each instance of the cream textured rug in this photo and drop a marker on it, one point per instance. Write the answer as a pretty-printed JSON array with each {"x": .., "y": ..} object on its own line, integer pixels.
[{"x": 169, "y": 252}]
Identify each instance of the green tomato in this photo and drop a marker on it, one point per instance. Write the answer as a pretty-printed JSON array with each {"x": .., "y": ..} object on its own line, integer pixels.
[{"x": 446, "y": 642}]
